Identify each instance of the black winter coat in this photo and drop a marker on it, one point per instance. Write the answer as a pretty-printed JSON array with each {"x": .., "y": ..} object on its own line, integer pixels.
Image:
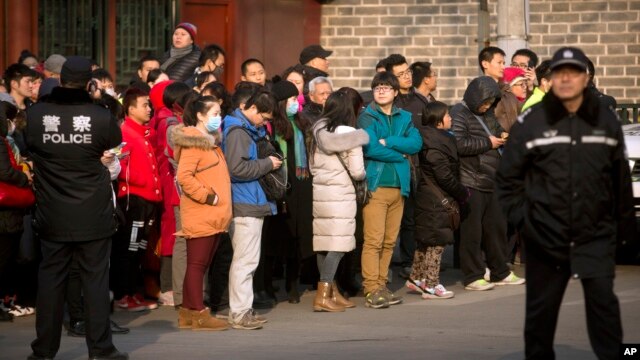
[
  {"x": 67, "y": 136},
  {"x": 438, "y": 165},
  {"x": 478, "y": 161},
  {"x": 182, "y": 69},
  {"x": 290, "y": 232},
  {"x": 10, "y": 219},
  {"x": 564, "y": 182}
]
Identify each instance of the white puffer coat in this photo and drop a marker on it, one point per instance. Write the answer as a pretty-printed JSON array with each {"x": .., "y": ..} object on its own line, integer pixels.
[{"x": 334, "y": 198}]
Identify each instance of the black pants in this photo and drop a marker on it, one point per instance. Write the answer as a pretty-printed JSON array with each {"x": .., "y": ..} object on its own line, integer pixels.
[
  {"x": 407, "y": 230},
  {"x": 92, "y": 258},
  {"x": 130, "y": 244},
  {"x": 546, "y": 283},
  {"x": 484, "y": 229},
  {"x": 74, "y": 294},
  {"x": 8, "y": 253}
]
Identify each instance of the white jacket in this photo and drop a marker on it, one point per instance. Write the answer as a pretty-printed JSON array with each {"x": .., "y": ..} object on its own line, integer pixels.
[{"x": 334, "y": 198}]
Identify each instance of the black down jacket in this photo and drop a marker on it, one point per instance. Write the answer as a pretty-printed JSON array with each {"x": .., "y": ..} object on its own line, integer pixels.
[
  {"x": 182, "y": 69},
  {"x": 438, "y": 165},
  {"x": 478, "y": 161}
]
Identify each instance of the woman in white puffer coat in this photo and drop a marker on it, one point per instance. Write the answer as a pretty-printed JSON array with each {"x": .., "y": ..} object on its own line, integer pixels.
[{"x": 334, "y": 197}]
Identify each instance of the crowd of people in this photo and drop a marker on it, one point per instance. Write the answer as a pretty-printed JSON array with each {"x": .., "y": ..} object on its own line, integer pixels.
[{"x": 144, "y": 196}]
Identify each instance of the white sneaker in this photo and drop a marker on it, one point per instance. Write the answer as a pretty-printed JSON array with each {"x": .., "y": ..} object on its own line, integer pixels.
[
  {"x": 437, "y": 292},
  {"x": 511, "y": 279},
  {"x": 166, "y": 298}
]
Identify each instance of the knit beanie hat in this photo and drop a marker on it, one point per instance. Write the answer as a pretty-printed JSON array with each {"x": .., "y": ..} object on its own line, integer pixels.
[
  {"x": 190, "y": 28},
  {"x": 282, "y": 90},
  {"x": 76, "y": 69},
  {"x": 54, "y": 63},
  {"x": 512, "y": 75}
]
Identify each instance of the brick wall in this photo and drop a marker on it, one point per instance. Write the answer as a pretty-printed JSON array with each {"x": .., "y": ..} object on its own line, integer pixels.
[{"x": 444, "y": 32}]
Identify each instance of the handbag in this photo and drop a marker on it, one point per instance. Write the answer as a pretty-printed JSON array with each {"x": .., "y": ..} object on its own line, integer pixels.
[
  {"x": 451, "y": 207},
  {"x": 361, "y": 187},
  {"x": 12, "y": 196}
]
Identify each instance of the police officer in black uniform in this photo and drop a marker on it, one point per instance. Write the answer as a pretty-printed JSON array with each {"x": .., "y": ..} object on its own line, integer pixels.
[
  {"x": 74, "y": 216},
  {"x": 564, "y": 182}
]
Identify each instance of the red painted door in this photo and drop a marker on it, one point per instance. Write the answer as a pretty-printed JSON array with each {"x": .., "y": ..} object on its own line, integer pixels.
[{"x": 213, "y": 18}]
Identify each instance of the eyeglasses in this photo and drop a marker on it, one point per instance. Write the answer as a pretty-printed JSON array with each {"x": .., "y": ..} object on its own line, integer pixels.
[
  {"x": 520, "y": 65},
  {"x": 382, "y": 89},
  {"x": 407, "y": 72},
  {"x": 433, "y": 74},
  {"x": 521, "y": 84},
  {"x": 265, "y": 118}
]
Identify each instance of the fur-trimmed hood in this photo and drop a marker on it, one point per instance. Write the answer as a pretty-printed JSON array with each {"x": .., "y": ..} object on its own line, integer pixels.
[{"x": 190, "y": 137}]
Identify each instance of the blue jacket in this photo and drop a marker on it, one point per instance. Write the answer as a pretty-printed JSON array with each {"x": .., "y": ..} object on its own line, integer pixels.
[
  {"x": 241, "y": 153},
  {"x": 402, "y": 139}
]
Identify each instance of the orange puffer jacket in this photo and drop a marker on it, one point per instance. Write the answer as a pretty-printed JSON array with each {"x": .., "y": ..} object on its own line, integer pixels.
[{"x": 202, "y": 172}]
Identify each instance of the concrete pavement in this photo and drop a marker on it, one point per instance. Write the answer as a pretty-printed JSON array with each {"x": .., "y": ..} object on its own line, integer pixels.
[{"x": 473, "y": 325}]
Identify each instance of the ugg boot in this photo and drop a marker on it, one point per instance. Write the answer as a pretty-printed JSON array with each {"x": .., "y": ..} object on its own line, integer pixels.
[
  {"x": 323, "y": 301},
  {"x": 202, "y": 320},
  {"x": 184, "y": 318},
  {"x": 338, "y": 298}
]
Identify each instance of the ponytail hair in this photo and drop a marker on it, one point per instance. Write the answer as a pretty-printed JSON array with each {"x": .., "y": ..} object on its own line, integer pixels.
[{"x": 198, "y": 105}]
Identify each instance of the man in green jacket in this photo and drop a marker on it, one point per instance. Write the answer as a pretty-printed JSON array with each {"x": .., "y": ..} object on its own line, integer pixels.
[
  {"x": 543, "y": 73},
  {"x": 393, "y": 138}
]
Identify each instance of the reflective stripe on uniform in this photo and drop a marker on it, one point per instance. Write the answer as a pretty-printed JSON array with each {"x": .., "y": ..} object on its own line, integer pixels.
[
  {"x": 548, "y": 141},
  {"x": 599, "y": 140}
]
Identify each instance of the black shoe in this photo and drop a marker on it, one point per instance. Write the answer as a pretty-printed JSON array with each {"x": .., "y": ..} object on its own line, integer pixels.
[
  {"x": 117, "y": 329},
  {"x": 5, "y": 316},
  {"x": 262, "y": 300},
  {"x": 405, "y": 272},
  {"x": 115, "y": 355},
  {"x": 38, "y": 357},
  {"x": 77, "y": 329},
  {"x": 294, "y": 296}
]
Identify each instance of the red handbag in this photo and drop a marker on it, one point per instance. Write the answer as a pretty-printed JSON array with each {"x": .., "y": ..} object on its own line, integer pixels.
[{"x": 12, "y": 196}]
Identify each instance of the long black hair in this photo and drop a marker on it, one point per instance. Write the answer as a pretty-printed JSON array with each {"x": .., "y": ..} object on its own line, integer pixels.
[{"x": 338, "y": 110}]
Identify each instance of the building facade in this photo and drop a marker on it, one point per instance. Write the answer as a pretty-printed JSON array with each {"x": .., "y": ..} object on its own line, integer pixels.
[{"x": 445, "y": 32}]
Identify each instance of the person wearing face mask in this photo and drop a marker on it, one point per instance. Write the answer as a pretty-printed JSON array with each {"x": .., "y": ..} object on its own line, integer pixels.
[
  {"x": 205, "y": 203},
  {"x": 104, "y": 83},
  {"x": 182, "y": 59},
  {"x": 289, "y": 234}
]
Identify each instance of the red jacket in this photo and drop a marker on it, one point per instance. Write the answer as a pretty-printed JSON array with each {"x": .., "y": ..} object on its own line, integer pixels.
[{"x": 139, "y": 175}]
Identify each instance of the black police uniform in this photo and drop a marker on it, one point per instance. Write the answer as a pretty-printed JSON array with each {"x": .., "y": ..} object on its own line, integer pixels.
[
  {"x": 564, "y": 183},
  {"x": 74, "y": 216}
]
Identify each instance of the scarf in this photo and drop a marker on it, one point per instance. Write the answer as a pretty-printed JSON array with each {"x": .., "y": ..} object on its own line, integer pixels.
[
  {"x": 175, "y": 54},
  {"x": 300, "y": 151}
]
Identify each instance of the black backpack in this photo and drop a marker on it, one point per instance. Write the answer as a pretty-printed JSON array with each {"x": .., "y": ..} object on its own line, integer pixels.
[{"x": 275, "y": 183}]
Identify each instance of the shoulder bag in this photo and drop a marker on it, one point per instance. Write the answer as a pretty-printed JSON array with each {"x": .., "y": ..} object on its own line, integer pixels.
[
  {"x": 361, "y": 187},
  {"x": 451, "y": 207}
]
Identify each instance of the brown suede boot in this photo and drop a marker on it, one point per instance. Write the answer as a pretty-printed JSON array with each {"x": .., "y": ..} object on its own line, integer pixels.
[
  {"x": 184, "y": 318},
  {"x": 323, "y": 301},
  {"x": 339, "y": 299},
  {"x": 202, "y": 320}
]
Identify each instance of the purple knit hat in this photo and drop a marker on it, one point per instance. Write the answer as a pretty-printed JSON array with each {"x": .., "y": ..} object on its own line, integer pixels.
[{"x": 190, "y": 28}]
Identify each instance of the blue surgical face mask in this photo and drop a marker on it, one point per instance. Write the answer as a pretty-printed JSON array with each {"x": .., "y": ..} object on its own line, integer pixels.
[
  {"x": 213, "y": 124},
  {"x": 292, "y": 108}
]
